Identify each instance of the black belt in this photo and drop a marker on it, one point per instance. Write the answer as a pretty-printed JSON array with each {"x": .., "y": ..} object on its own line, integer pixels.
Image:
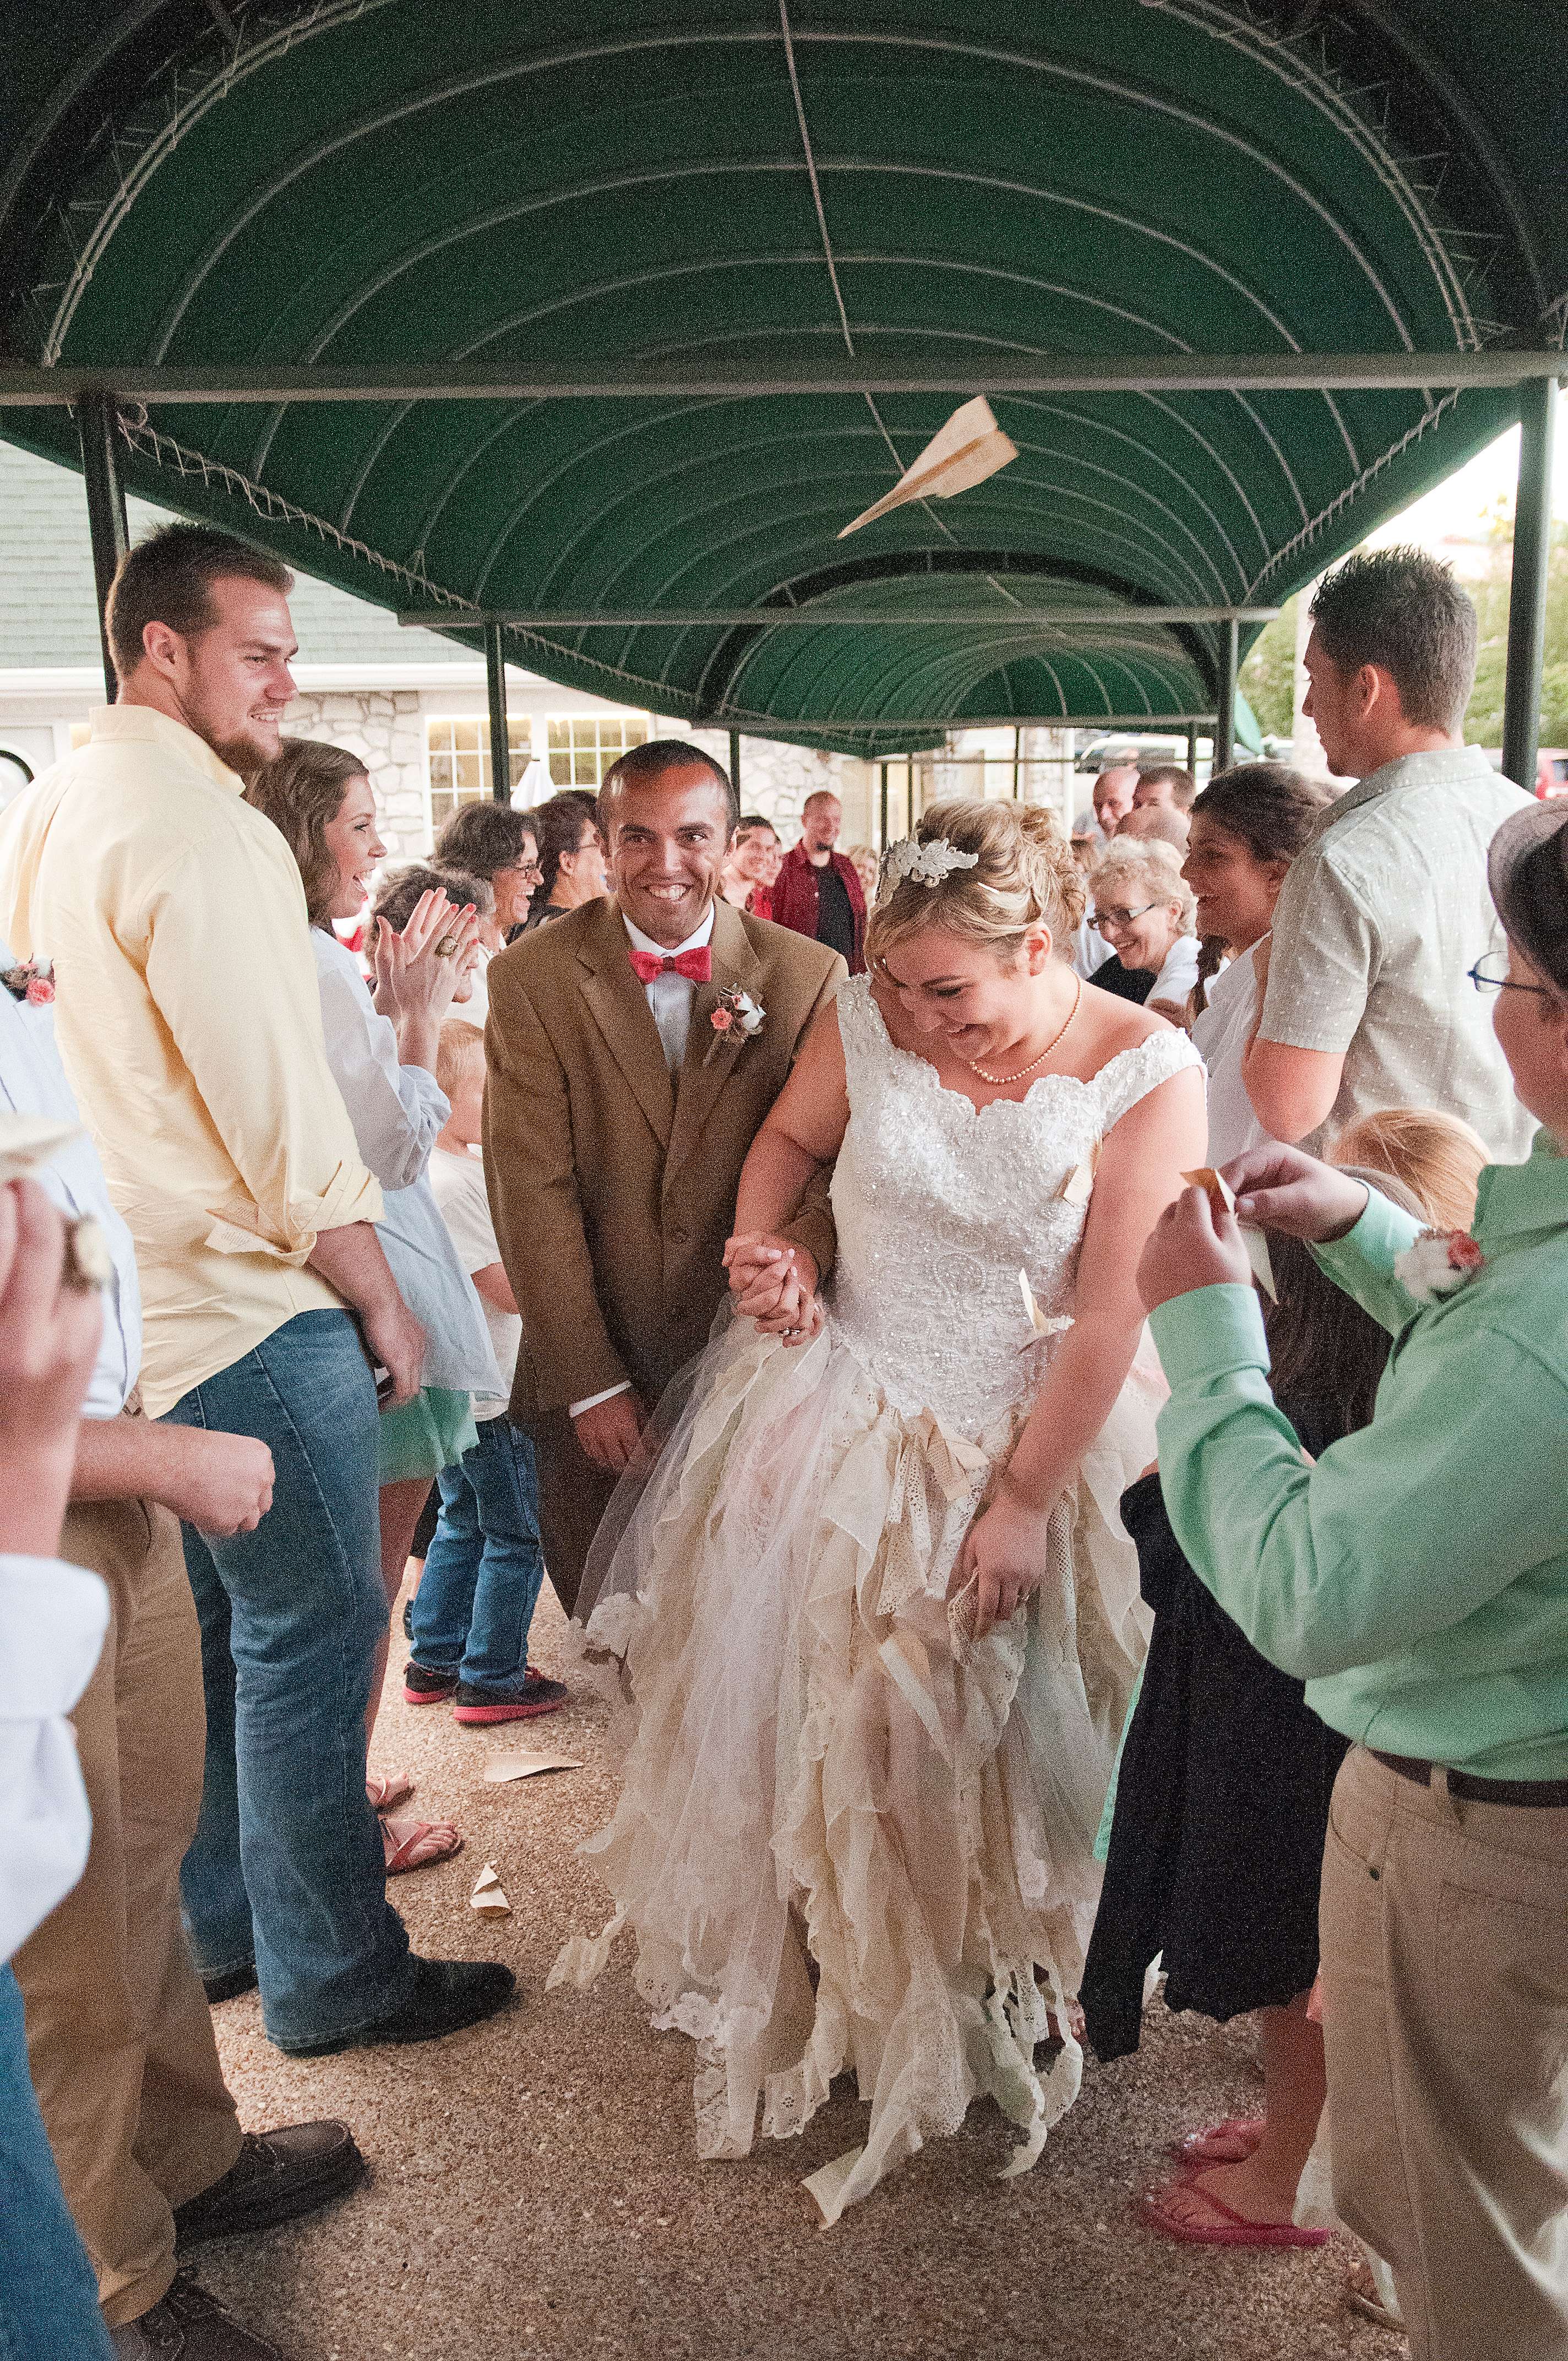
[{"x": 1542, "y": 1794}]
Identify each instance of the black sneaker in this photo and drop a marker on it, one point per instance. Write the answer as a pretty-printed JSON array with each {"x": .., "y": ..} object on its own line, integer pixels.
[
  {"x": 229, "y": 1983},
  {"x": 520, "y": 1700},
  {"x": 276, "y": 2177},
  {"x": 189, "y": 2325},
  {"x": 447, "y": 1996},
  {"x": 407, "y": 1618},
  {"x": 422, "y": 1687}
]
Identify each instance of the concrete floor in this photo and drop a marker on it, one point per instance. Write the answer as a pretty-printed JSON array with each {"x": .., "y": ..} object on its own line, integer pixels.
[{"x": 536, "y": 2193}]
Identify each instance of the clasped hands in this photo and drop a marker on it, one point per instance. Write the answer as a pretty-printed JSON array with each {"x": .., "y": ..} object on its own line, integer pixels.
[
  {"x": 1194, "y": 1244},
  {"x": 774, "y": 1282}
]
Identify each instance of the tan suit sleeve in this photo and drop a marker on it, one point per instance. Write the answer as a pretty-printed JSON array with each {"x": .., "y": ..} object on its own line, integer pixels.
[
  {"x": 812, "y": 1224},
  {"x": 530, "y": 1172}
]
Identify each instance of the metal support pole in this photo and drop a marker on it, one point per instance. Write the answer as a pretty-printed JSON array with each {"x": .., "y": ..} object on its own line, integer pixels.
[
  {"x": 1527, "y": 594},
  {"x": 98, "y": 434},
  {"x": 1018, "y": 742},
  {"x": 1225, "y": 719},
  {"x": 735, "y": 763},
  {"x": 500, "y": 741},
  {"x": 1192, "y": 749},
  {"x": 882, "y": 836}
]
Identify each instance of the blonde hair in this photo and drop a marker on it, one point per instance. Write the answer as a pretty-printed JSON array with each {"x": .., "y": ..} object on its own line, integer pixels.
[
  {"x": 459, "y": 1046},
  {"x": 1142, "y": 863},
  {"x": 1439, "y": 1158},
  {"x": 1024, "y": 876}
]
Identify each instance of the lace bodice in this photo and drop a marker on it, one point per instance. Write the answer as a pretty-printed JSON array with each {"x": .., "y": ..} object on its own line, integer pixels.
[{"x": 939, "y": 1207}]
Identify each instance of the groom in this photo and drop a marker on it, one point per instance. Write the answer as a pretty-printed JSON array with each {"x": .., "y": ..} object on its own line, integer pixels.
[{"x": 617, "y": 1114}]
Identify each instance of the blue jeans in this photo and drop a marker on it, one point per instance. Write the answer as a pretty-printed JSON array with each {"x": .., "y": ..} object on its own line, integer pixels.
[
  {"x": 287, "y": 1865},
  {"x": 48, "y": 2297},
  {"x": 481, "y": 1579}
]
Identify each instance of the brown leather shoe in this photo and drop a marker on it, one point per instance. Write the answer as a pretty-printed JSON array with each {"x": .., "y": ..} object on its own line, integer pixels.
[
  {"x": 190, "y": 2325},
  {"x": 276, "y": 2176}
]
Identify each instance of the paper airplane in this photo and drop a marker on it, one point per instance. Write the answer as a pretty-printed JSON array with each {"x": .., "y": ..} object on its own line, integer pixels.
[
  {"x": 522, "y": 1766},
  {"x": 1223, "y": 1198},
  {"x": 487, "y": 1894},
  {"x": 970, "y": 447}
]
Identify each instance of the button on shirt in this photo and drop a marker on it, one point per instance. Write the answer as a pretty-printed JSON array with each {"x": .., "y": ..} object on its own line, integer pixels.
[
  {"x": 190, "y": 1026},
  {"x": 32, "y": 1082},
  {"x": 1380, "y": 919},
  {"x": 669, "y": 999},
  {"x": 1416, "y": 1577}
]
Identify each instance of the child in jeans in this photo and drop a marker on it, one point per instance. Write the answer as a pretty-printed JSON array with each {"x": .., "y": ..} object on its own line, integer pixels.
[{"x": 471, "y": 1614}]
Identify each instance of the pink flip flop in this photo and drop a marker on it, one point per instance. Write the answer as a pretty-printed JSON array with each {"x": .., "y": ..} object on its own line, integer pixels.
[
  {"x": 1231, "y": 2229},
  {"x": 1230, "y": 2142}
]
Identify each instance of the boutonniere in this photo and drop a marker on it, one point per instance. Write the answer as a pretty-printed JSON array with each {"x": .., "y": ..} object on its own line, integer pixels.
[
  {"x": 738, "y": 1014},
  {"x": 1439, "y": 1261},
  {"x": 32, "y": 981}
]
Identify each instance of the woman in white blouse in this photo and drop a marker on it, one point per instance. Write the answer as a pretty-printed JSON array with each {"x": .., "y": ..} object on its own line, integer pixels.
[
  {"x": 382, "y": 1055},
  {"x": 1248, "y": 824}
]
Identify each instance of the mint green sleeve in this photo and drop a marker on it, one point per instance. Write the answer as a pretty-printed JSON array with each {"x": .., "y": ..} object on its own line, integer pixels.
[
  {"x": 1400, "y": 1530},
  {"x": 1361, "y": 1264}
]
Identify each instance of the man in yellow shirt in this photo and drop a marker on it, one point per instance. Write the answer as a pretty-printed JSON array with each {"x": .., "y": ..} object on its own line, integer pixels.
[{"x": 190, "y": 1024}]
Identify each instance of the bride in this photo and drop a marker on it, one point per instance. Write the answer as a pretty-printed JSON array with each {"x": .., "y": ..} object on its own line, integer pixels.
[{"x": 876, "y": 1619}]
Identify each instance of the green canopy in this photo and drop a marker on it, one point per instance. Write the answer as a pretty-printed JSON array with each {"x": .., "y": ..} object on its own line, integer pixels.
[{"x": 744, "y": 191}]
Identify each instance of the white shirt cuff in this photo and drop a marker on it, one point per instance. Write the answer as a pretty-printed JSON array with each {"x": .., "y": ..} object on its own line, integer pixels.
[{"x": 593, "y": 1401}]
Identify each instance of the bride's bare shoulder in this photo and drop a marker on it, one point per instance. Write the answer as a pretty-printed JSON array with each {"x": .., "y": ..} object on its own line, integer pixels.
[{"x": 1110, "y": 1025}]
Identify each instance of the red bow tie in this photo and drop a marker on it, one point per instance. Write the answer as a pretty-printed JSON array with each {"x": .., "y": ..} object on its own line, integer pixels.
[{"x": 696, "y": 966}]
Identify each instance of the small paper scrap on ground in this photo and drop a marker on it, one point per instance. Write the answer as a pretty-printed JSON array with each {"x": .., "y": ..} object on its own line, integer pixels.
[
  {"x": 1223, "y": 1198},
  {"x": 501, "y": 1767},
  {"x": 487, "y": 1894}
]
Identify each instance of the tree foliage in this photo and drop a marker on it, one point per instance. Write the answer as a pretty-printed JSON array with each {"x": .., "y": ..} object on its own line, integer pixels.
[{"x": 1268, "y": 674}]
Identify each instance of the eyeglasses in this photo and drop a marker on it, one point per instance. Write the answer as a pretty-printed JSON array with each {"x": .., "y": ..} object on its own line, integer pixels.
[
  {"x": 531, "y": 873},
  {"x": 1104, "y": 919},
  {"x": 1485, "y": 978}
]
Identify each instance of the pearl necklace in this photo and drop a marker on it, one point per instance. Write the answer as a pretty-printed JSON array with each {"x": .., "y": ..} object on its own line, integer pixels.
[{"x": 1050, "y": 1044}]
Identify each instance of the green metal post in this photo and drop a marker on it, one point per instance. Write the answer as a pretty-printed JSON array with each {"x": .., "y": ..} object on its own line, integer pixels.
[
  {"x": 1193, "y": 748},
  {"x": 1527, "y": 594},
  {"x": 1225, "y": 718},
  {"x": 881, "y": 837},
  {"x": 99, "y": 437},
  {"x": 735, "y": 762},
  {"x": 500, "y": 740}
]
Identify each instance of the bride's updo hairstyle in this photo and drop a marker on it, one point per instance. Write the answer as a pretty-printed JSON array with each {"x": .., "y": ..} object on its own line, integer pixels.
[{"x": 1024, "y": 876}]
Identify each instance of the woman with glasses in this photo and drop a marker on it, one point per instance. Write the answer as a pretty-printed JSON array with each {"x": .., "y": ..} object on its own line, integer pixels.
[{"x": 1143, "y": 907}]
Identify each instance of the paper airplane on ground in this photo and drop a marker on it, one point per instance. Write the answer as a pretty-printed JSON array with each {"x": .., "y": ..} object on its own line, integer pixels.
[
  {"x": 1223, "y": 1198},
  {"x": 970, "y": 447},
  {"x": 522, "y": 1766},
  {"x": 487, "y": 1894}
]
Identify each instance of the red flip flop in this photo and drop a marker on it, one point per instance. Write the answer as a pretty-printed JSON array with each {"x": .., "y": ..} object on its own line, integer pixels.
[
  {"x": 1230, "y": 2142},
  {"x": 1231, "y": 2229}
]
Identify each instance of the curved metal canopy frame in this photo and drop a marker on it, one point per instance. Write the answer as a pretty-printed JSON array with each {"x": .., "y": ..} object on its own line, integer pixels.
[{"x": 143, "y": 224}]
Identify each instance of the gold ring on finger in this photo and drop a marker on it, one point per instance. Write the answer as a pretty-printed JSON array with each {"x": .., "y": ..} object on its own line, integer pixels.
[{"x": 446, "y": 946}]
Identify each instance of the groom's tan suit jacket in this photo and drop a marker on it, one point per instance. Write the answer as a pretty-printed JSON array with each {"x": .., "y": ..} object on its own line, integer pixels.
[{"x": 612, "y": 1182}]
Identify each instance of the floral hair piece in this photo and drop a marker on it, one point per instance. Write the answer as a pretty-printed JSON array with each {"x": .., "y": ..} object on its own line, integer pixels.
[{"x": 930, "y": 862}]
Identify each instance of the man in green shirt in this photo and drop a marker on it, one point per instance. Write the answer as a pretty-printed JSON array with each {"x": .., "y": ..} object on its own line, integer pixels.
[{"x": 1416, "y": 1577}]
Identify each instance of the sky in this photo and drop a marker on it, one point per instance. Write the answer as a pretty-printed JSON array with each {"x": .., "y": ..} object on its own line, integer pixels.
[{"x": 1457, "y": 511}]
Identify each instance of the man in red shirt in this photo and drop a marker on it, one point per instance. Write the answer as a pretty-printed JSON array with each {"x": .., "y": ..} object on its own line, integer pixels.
[{"x": 817, "y": 891}]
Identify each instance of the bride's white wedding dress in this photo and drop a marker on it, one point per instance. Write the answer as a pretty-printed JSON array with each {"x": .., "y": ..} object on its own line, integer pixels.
[{"x": 818, "y": 1767}]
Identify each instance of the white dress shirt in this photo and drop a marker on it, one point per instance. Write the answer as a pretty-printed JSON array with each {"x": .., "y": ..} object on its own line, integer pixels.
[
  {"x": 52, "y": 1621},
  {"x": 669, "y": 999},
  {"x": 395, "y": 1111},
  {"x": 32, "y": 1082}
]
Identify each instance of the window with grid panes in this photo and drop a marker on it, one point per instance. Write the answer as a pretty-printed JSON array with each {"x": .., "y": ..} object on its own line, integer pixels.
[
  {"x": 457, "y": 753},
  {"x": 584, "y": 745}
]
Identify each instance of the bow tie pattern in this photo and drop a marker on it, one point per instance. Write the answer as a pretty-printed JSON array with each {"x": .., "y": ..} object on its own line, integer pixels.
[{"x": 696, "y": 966}]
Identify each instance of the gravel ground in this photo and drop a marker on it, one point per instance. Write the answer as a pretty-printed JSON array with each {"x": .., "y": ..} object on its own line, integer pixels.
[{"x": 535, "y": 2191}]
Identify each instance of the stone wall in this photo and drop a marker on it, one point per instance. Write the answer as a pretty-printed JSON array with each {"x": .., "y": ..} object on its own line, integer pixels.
[
  {"x": 386, "y": 727},
  {"x": 777, "y": 779}
]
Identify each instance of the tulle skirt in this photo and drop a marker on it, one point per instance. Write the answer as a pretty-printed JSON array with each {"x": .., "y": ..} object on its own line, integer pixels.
[{"x": 848, "y": 1837}]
